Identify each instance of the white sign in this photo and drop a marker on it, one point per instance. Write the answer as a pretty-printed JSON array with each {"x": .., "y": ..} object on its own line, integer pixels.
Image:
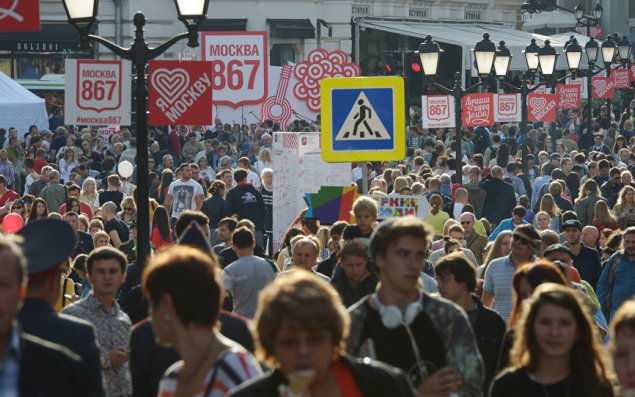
[
  {"x": 106, "y": 132},
  {"x": 298, "y": 169},
  {"x": 97, "y": 92},
  {"x": 437, "y": 111},
  {"x": 581, "y": 82},
  {"x": 507, "y": 108},
  {"x": 239, "y": 66}
]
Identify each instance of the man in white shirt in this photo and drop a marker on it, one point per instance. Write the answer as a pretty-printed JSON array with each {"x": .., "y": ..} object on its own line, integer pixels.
[
  {"x": 184, "y": 194},
  {"x": 252, "y": 177}
]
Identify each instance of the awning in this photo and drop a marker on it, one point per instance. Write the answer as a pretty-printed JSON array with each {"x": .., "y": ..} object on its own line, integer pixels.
[
  {"x": 467, "y": 35},
  {"x": 553, "y": 19},
  {"x": 224, "y": 25},
  {"x": 291, "y": 28},
  {"x": 51, "y": 38}
]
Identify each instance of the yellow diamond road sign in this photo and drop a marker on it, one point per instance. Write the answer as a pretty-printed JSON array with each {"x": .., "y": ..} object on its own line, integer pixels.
[{"x": 363, "y": 119}]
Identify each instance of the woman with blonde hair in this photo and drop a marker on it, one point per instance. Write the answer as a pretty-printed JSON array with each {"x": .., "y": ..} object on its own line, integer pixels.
[
  {"x": 502, "y": 247},
  {"x": 437, "y": 217},
  {"x": 400, "y": 182},
  {"x": 542, "y": 221},
  {"x": 128, "y": 211},
  {"x": 67, "y": 163},
  {"x": 88, "y": 194},
  {"x": 548, "y": 205},
  {"x": 556, "y": 349},
  {"x": 603, "y": 219},
  {"x": 264, "y": 160},
  {"x": 624, "y": 210}
]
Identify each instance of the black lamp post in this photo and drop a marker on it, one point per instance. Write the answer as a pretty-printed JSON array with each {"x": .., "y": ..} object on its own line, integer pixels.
[
  {"x": 588, "y": 20},
  {"x": 83, "y": 14},
  {"x": 537, "y": 58},
  {"x": 484, "y": 54}
]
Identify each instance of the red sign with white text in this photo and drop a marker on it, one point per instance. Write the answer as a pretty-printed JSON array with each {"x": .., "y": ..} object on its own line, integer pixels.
[
  {"x": 603, "y": 87},
  {"x": 542, "y": 107},
  {"x": 19, "y": 15},
  {"x": 478, "y": 109},
  {"x": 595, "y": 31},
  {"x": 180, "y": 92},
  {"x": 632, "y": 72},
  {"x": 568, "y": 96},
  {"x": 621, "y": 77}
]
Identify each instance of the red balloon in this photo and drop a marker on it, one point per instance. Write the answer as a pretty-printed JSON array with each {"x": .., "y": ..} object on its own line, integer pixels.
[{"x": 12, "y": 223}]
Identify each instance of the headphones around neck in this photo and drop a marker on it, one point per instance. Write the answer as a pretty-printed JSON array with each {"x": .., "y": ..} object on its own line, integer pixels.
[{"x": 392, "y": 317}]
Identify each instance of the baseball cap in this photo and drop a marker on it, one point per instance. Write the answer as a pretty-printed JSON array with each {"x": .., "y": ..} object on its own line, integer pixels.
[{"x": 571, "y": 223}]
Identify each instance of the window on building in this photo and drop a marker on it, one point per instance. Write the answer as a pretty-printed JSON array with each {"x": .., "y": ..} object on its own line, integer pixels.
[{"x": 280, "y": 54}]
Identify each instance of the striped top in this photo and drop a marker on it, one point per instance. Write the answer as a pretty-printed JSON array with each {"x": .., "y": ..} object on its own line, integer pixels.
[
  {"x": 232, "y": 367},
  {"x": 498, "y": 280}
]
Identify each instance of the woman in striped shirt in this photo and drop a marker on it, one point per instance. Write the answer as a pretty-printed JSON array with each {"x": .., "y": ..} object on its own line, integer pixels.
[{"x": 182, "y": 286}]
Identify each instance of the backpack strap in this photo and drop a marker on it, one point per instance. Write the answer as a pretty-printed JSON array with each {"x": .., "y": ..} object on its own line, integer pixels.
[{"x": 608, "y": 300}]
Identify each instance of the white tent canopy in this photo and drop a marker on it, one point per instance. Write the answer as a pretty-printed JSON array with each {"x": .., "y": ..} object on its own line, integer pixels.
[
  {"x": 19, "y": 107},
  {"x": 467, "y": 35}
]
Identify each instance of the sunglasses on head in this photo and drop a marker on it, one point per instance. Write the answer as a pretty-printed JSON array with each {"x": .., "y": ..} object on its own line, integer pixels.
[{"x": 521, "y": 239}]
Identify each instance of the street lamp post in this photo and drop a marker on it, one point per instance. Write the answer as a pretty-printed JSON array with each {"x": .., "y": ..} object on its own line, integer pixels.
[
  {"x": 537, "y": 58},
  {"x": 588, "y": 20},
  {"x": 484, "y": 54},
  {"x": 83, "y": 15}
]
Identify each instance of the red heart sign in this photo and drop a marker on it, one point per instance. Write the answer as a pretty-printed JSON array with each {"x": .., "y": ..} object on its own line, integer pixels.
[
  {"x": 603, "y": 87},
  {"x": 541, "y": 107},
  {"x": 19, "y": 15},
  {"x": 180, "y": 92}
]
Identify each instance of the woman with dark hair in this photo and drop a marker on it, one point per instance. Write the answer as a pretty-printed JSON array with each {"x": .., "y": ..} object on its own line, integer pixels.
[
  {"x": 556, "y": 351},
  {"x": 502, "y": 155},
  {"x": 299, "y": 328},
  {"x": 213, "y": 208},
  {"x": 167, "y": 177},
  {"x": 185, "y": 294},
  {"x": 72, "y": 204},
  {"x": 573, "y": 183},
  {"x": 161, "y": 235},
  {"x": 39, "y": 210}
]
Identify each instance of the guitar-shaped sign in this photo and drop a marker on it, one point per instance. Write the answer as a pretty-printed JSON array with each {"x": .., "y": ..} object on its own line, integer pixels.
[{"x": 278, "y": 108}]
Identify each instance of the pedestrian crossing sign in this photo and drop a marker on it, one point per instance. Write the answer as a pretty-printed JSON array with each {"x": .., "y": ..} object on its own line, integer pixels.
[{"x": 363, "y": 119}]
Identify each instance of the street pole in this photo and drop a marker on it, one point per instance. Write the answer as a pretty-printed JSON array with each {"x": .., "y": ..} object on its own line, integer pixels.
[
  {"x": 524, "y": 93},
  {"x": 458, "y": 114},
  {"x": 589, "y": 97}
]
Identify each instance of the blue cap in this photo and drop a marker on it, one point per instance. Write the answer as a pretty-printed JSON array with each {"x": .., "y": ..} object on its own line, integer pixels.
[{"x": 47, "y": 244}]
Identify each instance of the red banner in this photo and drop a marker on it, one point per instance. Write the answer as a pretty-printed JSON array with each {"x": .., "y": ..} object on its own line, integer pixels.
[
  {"x": 621, "y": 78},
  {"x": 19, "y": 15},
  {"x": 478, "y": 109},
  {"x": 603, "y": 87},
  {"x": 542, "y": 107},
  {"x": 632, "y": 72},
  {"x": 180, "y": 92},
  {"x": 568, "y": 96},
  {"x": 595, "y": 31}
]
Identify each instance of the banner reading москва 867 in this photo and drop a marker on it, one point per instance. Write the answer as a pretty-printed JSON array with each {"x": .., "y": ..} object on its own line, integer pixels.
[{"x": 97, "y": 92}]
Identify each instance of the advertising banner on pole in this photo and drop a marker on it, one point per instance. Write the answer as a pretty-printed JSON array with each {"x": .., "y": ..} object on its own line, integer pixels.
[
  {"x": 437, "y": 111},
  {"x": 19, "y": 15},
  {"x": 621, "y": 77},
  {"x": 179, "y": 92},
  {"x": 632, "y": 70},
  {"x": 541, "y": 107},
  {"x": 478, "y": 109},
  {"x": 239, "y": 63},
  {"x": 97, "y": 92},
  {"x": 568, "y": 96},
  {"x": 603, "y": 87},
  {"x": 581, "y": 82},
  {"x": 507, "y": 108}
]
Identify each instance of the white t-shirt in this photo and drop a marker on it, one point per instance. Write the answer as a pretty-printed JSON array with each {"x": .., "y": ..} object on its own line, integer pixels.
[{"x": 184, "y": 195}]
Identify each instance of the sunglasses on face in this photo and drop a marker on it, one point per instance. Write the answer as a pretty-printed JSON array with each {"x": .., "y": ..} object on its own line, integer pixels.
[
  {"x": 128, "y": 209},
  {"x": 521, "y": 239},
  {"x": 466, "y": 222}
]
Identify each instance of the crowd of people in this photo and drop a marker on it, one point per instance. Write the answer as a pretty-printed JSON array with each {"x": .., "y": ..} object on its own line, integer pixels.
[{"x": 517, "y": 283}]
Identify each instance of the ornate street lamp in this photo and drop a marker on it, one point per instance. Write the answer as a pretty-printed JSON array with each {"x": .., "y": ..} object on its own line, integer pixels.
[
  {"x": 624, "y": 50},
  {"x": 484, "y": 53},
  {"x": 531, "y": 56},
  {"x": 573, "y": 52},
  {"x": 502, "y": 61},
  {"x": 429, "y": 54},
  {"x": 547, "y": 57},
  {"x": 608, "y": 51},
  {"x": 83, "y": 14}
]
